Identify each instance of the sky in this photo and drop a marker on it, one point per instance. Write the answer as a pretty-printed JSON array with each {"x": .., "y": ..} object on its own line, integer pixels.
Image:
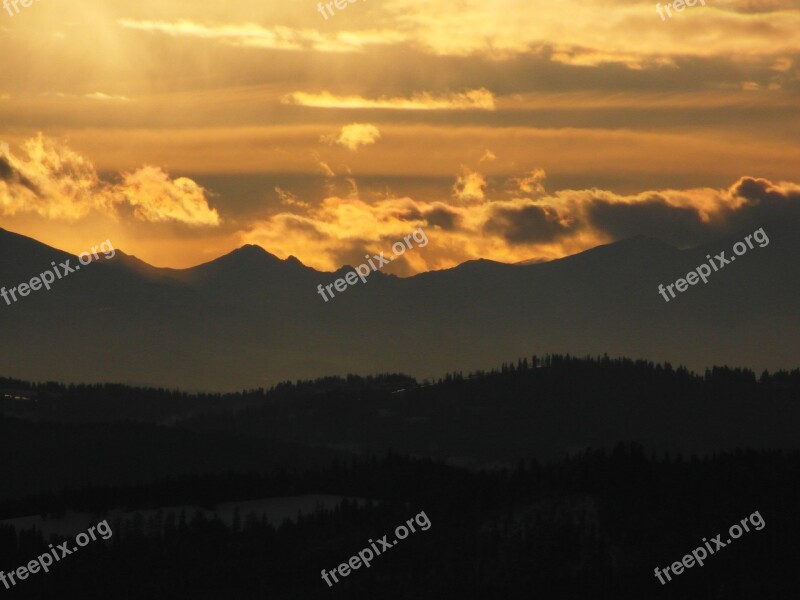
[{"x": 511, "y": 130}]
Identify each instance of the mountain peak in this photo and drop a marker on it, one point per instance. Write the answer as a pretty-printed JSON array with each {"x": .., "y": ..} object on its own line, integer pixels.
[
  {"x": 252, "y": 250},
  {"x": 249, "y": 255},
  {"x": 246, "y": 262}
]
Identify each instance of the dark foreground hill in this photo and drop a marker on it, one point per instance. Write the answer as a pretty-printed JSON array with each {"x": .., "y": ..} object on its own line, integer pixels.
[
  {"x": 543, "y": 407},
  {"x": 549, "y": 519},
  {"x": 592, "y": 527}
]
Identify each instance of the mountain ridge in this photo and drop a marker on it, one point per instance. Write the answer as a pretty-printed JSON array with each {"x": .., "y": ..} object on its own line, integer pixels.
[{"x": 248, "y": 319}]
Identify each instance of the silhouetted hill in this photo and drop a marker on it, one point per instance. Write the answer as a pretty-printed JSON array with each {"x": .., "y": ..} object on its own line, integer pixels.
[
  {"x": 249, "y": 319},
  {"x": 543, "y": 407},
  {"x": 564, "y": 511},
  {"x": 591, "y": 527}
]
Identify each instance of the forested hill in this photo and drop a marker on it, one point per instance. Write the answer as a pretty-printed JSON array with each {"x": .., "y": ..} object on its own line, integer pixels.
[
  {"x": 539, "y": 406},
  {"x": 543, "y": 407}
]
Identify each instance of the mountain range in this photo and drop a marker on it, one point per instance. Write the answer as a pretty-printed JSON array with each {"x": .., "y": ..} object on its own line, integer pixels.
[{"x": 249, "y": 319}]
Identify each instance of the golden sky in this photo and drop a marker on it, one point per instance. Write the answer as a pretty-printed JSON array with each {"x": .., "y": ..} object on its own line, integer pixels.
[{"x": 510, "y": 130}]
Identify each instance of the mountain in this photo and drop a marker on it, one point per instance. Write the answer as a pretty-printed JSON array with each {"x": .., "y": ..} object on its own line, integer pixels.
[{"x": 249, "y": 319}]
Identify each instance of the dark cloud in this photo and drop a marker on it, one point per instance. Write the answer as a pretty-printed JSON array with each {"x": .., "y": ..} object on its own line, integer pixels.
[
  {"x": 653, "y": 217},
  {"x": 5, "y": 169},
  {"x": 409, "y": 214},
  {"x": 303, "y": 226},
  {"x": 526, "y": 225},
  {"x": 12, "y": 175},
  {"x": 765, "y": 202},
  {"x": 763, "y": 6},
  {"x": 443, "y": 217},
  {"x": 756, "y": 191},
  {"x": 684, "y": 226}
]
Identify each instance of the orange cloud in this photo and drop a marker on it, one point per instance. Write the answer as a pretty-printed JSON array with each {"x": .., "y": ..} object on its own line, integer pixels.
[
  {"x": 155, "y": 197},
  {"x": 469, "y": 185},
  {"x": 53, "y": 182},
  {"x": 546, "y": 226},
  {"x": 480, "y": 99},
  {"x": 57, "y": 183},
  {"x": 277, "y": 37},
  {"x": 532, "y": 183},
  {"x": 105, "y": 97},
  {"x": 355, "y": 135}
]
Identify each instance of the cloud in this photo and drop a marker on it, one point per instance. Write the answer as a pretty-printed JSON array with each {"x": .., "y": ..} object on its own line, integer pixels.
[
  {"x": 105, "y": 97},
  {"x": 572, "y": 32},
  {"x": 53, "y": 182},
  {"x": 575, "y": 37},
  {"x": 480, "y": 99},
  {"x": 580, "y": 32},
  {"x": 520, "y": 223},
  {"x": 531, "y": 183},
  {"x": 57, "y": 183},
  {"x": 443, "y": 217},
  {"x": 653, "y": 217},
  {"x": 782, "y": 64},
  {"x": 358, "y": 41},
  {"x": 248, "y": 34},
  {"x": 469, "y": 185},
  {"x": 355, "y": 135},
  {"x": 593, "y": 57},
  {"x": 277, "y": 37},
  {"x": 759, "y": 6},
  {"x": 551, "y": 225},
  {"x": 325, "y": 168},
  {"x": 689, "y": 217},
  {"x": 155, "y": 198},
  {"x": 289, "y": 199},
  {"x": 760, "y": 201},
  {"x": 94, "y": 96}
]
